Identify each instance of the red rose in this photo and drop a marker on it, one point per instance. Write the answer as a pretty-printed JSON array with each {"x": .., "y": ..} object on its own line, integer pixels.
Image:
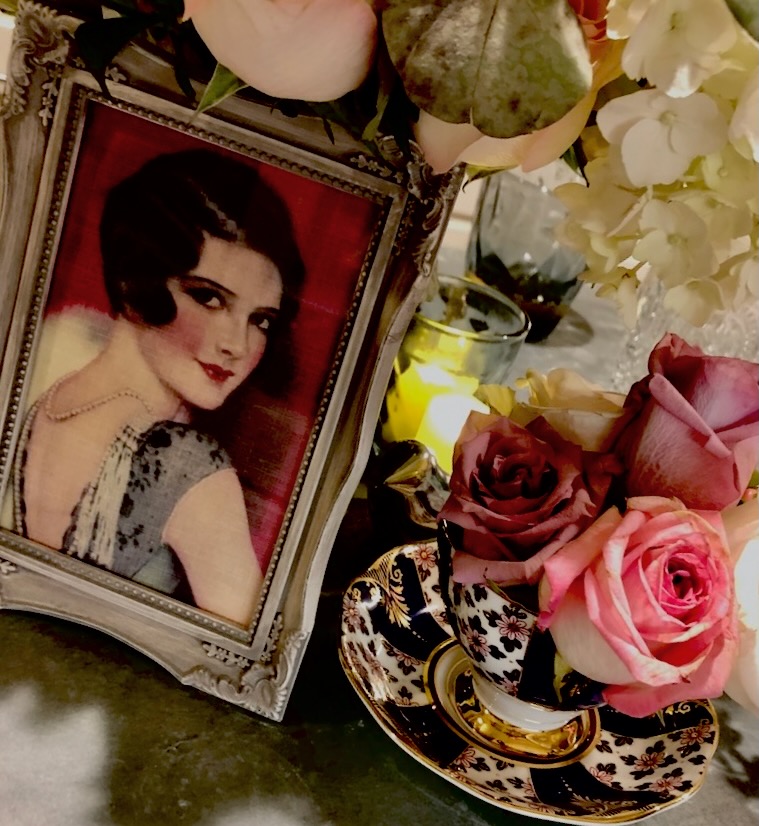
[
  {"x": 518, "y": 494},
  {"x": 694, "y": 427}
]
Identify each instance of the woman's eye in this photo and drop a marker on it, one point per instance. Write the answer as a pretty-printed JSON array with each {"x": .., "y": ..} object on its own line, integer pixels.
[
  {"x": 206, "y": 297},
  {"x": 263, "y": 321}
]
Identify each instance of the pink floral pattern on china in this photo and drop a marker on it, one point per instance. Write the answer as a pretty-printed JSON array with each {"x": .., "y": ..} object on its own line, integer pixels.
[
  {"x": 500, "y": 635},
  {"x": 394, "y": 618},
  {"x": 493, "y": 632}
]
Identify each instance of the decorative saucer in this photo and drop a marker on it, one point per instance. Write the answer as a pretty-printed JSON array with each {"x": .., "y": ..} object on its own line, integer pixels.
[{"x": 399, "y": 654}]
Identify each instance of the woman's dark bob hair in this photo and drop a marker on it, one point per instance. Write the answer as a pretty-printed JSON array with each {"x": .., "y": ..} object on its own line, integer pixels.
[{"x": 154, "y": 221}]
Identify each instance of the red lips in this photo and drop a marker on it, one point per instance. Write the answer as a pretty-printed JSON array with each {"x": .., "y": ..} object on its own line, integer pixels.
[{"x": 216, "y": 373}]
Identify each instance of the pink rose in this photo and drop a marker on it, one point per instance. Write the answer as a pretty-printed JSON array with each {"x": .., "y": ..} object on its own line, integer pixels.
[
  {"x": 644, "y": 603},
  {"x": 694, "y": 431},
  {"x": 518, "y": 494}
]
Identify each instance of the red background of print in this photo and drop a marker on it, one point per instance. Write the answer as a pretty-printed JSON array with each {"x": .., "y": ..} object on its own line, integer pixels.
[{"x": 266, "y": 437}]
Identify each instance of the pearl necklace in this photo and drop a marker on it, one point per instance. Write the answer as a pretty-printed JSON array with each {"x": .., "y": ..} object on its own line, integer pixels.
[{"x": 88, "y": 406}]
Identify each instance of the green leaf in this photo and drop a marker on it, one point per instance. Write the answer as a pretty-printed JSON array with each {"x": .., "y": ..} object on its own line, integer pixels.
[
  {"x": 288, "y": 108},
  {"x": 339, "y": 112},
  {"x": 497, "y": 588},
  {"x": 169, "y": 8},
  {"x": 746, "y": 12},
  {"x": 126, "y": 8},
  {"x": 387, "y": 81},
  {"x": 222, "y": 85},
  {"x": 181, "y": 74},
  {"x": 560, "y": 670},
  {"x": 575, "y": 158},
  {"x": 479, "y": 173},
  {"x": 99, "y": 41},
  {"x": 328, "y": 129},
  {"x": 509, "y": 67}
]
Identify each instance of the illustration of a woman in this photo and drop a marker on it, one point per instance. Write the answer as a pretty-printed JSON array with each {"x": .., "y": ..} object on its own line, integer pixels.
[{"x": 201, "y": 269}]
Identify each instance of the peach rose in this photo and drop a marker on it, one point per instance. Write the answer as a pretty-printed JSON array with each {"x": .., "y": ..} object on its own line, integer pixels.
[{"x": 314, "y": 50}]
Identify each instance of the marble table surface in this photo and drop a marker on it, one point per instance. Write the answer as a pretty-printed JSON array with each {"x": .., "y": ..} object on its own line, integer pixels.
[{"x": 93, "y": 733}]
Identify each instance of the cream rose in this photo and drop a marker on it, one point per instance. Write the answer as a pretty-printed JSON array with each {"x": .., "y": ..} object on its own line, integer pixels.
[
  {"x": 742, "y": 526},
  {"x": 580, "y": 411}
]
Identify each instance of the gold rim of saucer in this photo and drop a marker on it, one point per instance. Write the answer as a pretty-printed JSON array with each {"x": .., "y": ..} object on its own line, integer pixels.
[
  {"x": 448, "y": 684},
  {"x": 397, "y": 699}
]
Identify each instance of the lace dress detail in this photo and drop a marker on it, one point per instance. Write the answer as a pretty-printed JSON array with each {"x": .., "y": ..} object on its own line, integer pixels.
[{"x": 94, "y": 524}]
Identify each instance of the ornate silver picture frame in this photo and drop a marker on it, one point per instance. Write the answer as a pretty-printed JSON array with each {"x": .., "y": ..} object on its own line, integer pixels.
[{"x": 152, "y": 403}]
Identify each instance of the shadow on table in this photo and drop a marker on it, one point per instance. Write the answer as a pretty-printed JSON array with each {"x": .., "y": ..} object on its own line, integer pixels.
[
  {"x": 738, "y": 759},
  {"x": 95, "y": 733},
  {"x": 100, "y": 734}
]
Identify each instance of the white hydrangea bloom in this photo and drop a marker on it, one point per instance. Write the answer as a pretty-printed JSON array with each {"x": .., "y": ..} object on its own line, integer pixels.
[
  {"x": 745, "y": 121},
  {"x": 695, "y": 301},
  {"x": 739, "y": 64},
  {"x": 624, "y": 292},
  {"x": 734, "y": 284},
  {"x": 733, "y": 176},
  {"x": 728, "y": 225},
  {"x": 738, "y": 279},
  {"x": 676, "y": 46},
  {"x": 746, "y": 270},
  {"x": 674, "y": 241},
  {"x": 603, "y": 253},
  {"x": 609, "y": 251},
  {"x": 661, "y": 136},
  {"x": 603, "y": 204},
  {"x": 602, "y": 216}
]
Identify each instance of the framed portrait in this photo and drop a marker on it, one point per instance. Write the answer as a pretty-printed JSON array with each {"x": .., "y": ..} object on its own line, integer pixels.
[{"x": 199, "y": 316}]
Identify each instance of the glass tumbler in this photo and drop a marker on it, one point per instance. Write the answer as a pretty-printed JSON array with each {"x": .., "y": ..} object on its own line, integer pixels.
[
  {"x": 466, "y": 335},
  {"x": 513, "y": 248}
]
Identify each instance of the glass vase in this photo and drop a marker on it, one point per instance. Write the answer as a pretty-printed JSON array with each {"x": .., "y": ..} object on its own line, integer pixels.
[{"x": 727, "y": 333}]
